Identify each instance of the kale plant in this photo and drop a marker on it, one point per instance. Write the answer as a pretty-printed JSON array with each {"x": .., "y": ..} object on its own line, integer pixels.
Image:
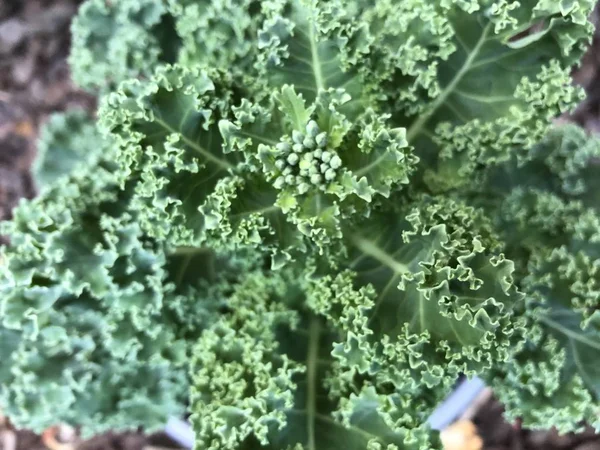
[{"x": 300, "y": 221}]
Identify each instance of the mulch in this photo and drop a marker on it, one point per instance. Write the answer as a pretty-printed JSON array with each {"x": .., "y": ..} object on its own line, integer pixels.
[{"x": 35, "y": 81}]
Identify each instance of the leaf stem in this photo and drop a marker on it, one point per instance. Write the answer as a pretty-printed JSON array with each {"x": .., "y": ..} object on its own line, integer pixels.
[
  {"x": 199, "y": 149},
  {"x": 370, "y": 248},
  {"x": 416, "y": 127},
  {"x": 190, "y": 251},
  {"x": 316, "y": 62},
  {"x": 311, "y": 380},
  {"x": 574, "y": 336}
]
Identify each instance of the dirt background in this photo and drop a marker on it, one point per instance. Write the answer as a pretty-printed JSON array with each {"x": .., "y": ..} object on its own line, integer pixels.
[{"x": 35, "y": 82}]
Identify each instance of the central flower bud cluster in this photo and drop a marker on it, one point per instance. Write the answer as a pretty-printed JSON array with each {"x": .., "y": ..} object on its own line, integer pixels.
[{"x": 306, "y": 160}]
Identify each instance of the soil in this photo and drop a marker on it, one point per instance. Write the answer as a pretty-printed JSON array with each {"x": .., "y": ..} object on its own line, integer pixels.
[
  {"x": 26, "y": 440},
  {"x": 498, "y": 434},
  {"x": 35, "y": 81}
]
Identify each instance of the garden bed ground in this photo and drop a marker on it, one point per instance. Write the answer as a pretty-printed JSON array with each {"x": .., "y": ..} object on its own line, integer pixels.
[{"x": 35, "y": 81}]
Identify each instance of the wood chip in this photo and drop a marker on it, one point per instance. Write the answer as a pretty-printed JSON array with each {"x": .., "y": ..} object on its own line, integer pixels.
[
  {"x": 8, "y": 440},
  {"x": 461, "y": 435},
  {"x": 50, "y": 439}
]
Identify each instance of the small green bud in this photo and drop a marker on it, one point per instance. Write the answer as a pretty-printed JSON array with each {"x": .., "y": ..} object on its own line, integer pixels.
[
  {"x": 297, "y": 137},
  {"x": 283, "y": 147},
  {"x": 316, "y": 179},
  {"x": 335, "y": 162},
  {"x": 298, "y": 148},
  {"x": 312, "y": 128},
  {"x": 279, "y": 182},
  {"x": 314, "y": 170},
  {"x": 330, "y": 174},
  {"x": 309, "y": 142},
  {"x": 317, "y": 153},
  {"x": 326, "y": 156},
  {"x": 287, "y": 170},
  {"x": 292, "y": 159},
  {"x": 321, "y": 139},
  {"x": 280, "y": 164},
  {"x": 324, "y": 167},
  {"x": 290, "y": 179},
  {"x": 303, "y": 188},
  {"x": 303, "y": 172},
  {"x": 304, "y": 164}
]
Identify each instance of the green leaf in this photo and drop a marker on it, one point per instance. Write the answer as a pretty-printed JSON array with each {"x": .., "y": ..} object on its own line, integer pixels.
[
  {"x": 261, "y": 376},
  {"x": 548, "y": 218},
  {"x": 116, "y": 41},
  {"x": 168, "y": 136},
  {"x": 582, "y": 346},
  {"x": 293, "y": 107},
  {"x": 68, "y": 142},
  {"x": 538, "y": 387},
  {"x": 492, "y": 100},
  {"x": 81, "y": 292},
  {"x": 296, "y": 51},
  {"x": 432, "y": 275},
  {"x": 219, "y": 33},
  {"x": 384, "y": 159}
]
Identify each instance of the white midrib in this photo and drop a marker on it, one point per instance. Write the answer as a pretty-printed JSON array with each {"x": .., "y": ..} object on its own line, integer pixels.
[
  {"x": 265, "y": 210},
  {"x": 311, "y": 381},
  {"x": 418, "y": 125},
  {"x": 370, "y": 248},
  {"x": 570, "y": 334},
  {"x": 316, "y": 60},
  {"x": 201, "y": 150},
  {"x": 372, "y": 165}
]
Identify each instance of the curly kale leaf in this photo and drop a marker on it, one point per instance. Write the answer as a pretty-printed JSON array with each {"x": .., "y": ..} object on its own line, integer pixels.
[
  {"x": 252, "y": 174},
  {"x": 469, "y": 88},
  {"x": 313, "y": 215},
  {"x": 113, "y": 41},
  {"x": 547, "y": 382},
  {"x": 546, "y": 209},
  {"x": 81, "y": 294},
  {"x": 68, "y": 142},
  {"x": 88, "y": 302},
  {"x": 428, "y": 293},
  {"x": 263, "y": 376}
]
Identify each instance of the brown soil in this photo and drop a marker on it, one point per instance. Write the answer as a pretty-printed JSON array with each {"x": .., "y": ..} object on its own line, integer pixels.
[
  {"x": 26, "y": 440},
  {"x": 498, "y": 434},
  {"x": 35, "y": 81}
]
